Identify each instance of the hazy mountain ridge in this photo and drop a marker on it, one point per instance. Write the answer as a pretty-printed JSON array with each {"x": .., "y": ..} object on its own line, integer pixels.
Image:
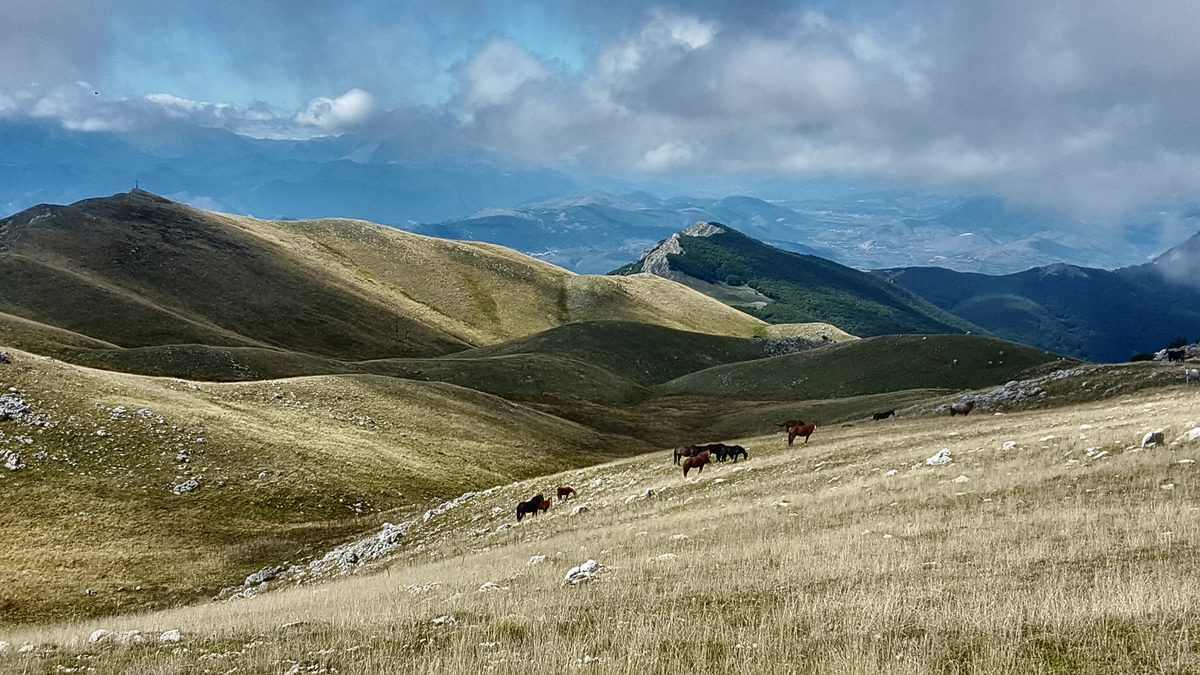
[
  {"x": 1087, "y": 313},
  {"x": 592, "y": 232}
]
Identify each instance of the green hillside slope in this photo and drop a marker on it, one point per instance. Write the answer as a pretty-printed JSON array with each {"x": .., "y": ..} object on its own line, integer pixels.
[
  {"x": 791, "y": 287},
  {"x": 867, "y": 366}
]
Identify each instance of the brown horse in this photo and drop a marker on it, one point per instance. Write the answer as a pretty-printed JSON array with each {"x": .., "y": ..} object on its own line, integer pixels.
[
  {"x": 697, "y": 462},
  {"x": 804, "y": 430},
  {"x": 565, "y": 492},
  {"x": 687, "y": 451},
  {"x": 532, "y": 506}
]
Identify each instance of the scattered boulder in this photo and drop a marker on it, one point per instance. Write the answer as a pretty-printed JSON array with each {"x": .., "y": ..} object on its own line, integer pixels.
[
  {"x": 582, "y": 508},
  {"x": 891, "y": 472},
  {"x": 12, "y": 407},
  {"x": 170, "y": 636},
  {"x": 447, "y": 505},
  {"x": 5, "y": 358},
  {"x": 1008, "y": 445},
  {"x": 12, "y": 460},
  {"x": 189, "y": 485},
  {"x": 584, "y": 573},
  {"x": 265, "y": 574},
  {"x": 100, "y": 635},
  {"x": 537, "y": 560},
  {"x": 131, "y": 637},
  {"x": 503, "y": 528},
  {"x": 942, "y": 457},
  {"x": 362, "y": 551},
  {"x": 444, "y": 620},
  {"x": 1193, "y": 435},
  {"x": 1167, "y": 486},
  {"x": 665, "y": 557},
  {"x": 490, "y": 586}
]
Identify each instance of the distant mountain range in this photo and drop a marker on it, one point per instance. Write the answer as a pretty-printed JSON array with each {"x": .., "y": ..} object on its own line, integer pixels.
[
  {"x": 468, "y": 196},
  {"x": 1089, "y": 313},
  {"x": 594, "y": 232},
  {"x": 345, "y": 176}
]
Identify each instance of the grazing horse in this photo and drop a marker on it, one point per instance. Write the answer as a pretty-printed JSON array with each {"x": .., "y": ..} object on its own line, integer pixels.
[
  {"x": 565, "y": 492},
  {"x": 882, "y": 414},
  {"x": 733, "y": 451},
  {"x": 697, "y": 462},
  {"x": 532, "y": 506},
  {"x": 1191, "y": 376},
  {"x": 1176, "y": 355},
  {"x": 962, "y": 408},
  {"x": 687, "y": 451},
  {"x": 804, "y": 430}
]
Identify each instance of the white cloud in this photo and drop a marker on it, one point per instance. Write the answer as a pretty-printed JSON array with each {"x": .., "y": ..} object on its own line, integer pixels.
[
  {"x": 496, "y": 73},
  {"x": 348, "y": 111}
]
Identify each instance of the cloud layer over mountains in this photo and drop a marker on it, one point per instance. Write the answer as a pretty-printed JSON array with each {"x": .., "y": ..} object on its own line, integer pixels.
[{"x": 1082, "y": 105}]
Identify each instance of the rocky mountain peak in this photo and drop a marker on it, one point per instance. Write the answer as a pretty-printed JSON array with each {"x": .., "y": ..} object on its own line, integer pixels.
[{"x": 704, "y": 229}]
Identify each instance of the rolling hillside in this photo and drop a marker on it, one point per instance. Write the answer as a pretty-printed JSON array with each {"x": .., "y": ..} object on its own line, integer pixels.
[
  {"x": 101, "y": 493},
  {"x": 867, "y": 366},
  {"x": 783, "y": 287},
  {"x": 136, "y": 270}
]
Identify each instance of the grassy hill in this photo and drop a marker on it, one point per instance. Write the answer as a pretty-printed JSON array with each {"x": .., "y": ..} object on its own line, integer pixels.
[
  {"x": 644, "y": 353},
  {"x": 136, "y": 270},
  {"x": 783, "y": 287},
  {"x": 1086, "y": 313},
  {"x": 849, "y": 554},
  {"x": 867, "y": 366},
  {"x": 281, "y": 466}
]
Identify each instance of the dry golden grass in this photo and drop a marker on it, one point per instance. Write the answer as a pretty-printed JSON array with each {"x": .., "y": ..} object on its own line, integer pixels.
[
  {"x": 484, "y": 294},
  {"x": 810, "y": 331},
  {"x": 284, "y": 466},
  {"x": 812, "y": 560}
]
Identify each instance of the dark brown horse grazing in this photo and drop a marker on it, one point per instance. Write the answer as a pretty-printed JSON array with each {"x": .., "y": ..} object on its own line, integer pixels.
[
  {"x": 696, "y": 462},
  {"x": 962, "y": 408},
  {"x": 804, "y": 430},
  {"x": 532, "y": 506},
  {"x": 565, "y": 492},
  {"x": 882, "y": 415},
  {"x": 687, "y": 451}
]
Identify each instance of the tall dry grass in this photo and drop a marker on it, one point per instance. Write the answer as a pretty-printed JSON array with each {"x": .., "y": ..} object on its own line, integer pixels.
[{"x": 813, "y": 560}]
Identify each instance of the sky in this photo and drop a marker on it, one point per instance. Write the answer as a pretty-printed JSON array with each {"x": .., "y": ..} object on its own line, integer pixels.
[{"x": 1089, "y": 106}]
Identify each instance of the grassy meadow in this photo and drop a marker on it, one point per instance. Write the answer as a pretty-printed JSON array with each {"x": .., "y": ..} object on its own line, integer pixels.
[{"x": 1026, "y": 553}]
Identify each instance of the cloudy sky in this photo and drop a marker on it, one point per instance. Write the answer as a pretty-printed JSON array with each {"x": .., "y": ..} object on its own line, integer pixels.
[{"x": 1088, "y": 105}]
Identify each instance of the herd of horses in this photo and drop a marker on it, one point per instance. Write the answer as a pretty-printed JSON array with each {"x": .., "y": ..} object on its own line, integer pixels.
[
  {"x": 690, "y": 457},
  {"x": 538, "y": 503}
]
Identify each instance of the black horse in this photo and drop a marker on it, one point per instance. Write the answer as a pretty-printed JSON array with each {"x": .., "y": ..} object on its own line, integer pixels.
[
  {"x": 882, "y": 414},
  {"x": 732, "y": 451},
  {"x": 530, "y": 507}
]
